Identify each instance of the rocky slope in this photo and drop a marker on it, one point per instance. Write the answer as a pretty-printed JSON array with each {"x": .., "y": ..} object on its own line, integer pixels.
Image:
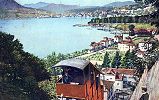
[{"x": 150, "y": 79}]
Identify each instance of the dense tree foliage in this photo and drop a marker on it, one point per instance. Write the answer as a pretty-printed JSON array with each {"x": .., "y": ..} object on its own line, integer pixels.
[
  {"x": 121, "y": 19},
  {"x": 21, "y": 69},
  {"x": 106, "y": 61},
  {"x": 116, "y": 60},
  {"x": 129, "y": 59},
  {"x": 154, "y": 17}
]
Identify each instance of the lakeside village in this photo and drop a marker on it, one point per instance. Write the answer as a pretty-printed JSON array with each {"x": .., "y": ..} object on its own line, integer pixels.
[
  {"x": 112, "y": 67},
  {"x": 91, "y": 79},
  {"x": 123, "y": 67}
]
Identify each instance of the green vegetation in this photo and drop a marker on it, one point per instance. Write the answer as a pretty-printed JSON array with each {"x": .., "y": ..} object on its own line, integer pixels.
[
  {"x": 122, "y": 26},
  {"x": 116, "y": 60},
  {"x": 106, "y": 61},
  {"x": 98, "y": 56},
  {"x": 54, "y": 58},
  {"x": 121, "y": 19},
  {"x": 136, "y": 40},
  {"x": 20, "y": 72},
  {"x": 24, "y": 76},
  {"x": 128, "y": 60}
]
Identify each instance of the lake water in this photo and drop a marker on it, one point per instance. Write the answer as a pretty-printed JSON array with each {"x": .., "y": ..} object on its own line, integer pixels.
[{"x": 43, "y": 36}]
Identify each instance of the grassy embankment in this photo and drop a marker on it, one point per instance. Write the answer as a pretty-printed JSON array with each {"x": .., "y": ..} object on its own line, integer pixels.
[{"x": 123, "y": 26}]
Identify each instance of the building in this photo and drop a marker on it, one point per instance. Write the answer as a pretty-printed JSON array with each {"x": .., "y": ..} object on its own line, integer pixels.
[
  {"x": 119, "y": 76},
  {"x": 111, "y": 41},
  {"x": 80, "y": 81},
  {"x": 144, "y": 45},
  {"x": 125, "y": 46},
  {"x": 140, "y": 54},
  {"x": 105, "y": 43},
  {"x": 94, "y": 46},
  {"x": 118, "y": 38}
]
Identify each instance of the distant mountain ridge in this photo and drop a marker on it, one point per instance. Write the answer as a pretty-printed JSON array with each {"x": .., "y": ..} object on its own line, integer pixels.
[
  {"x": 52, "y": 7},
  {"x": 59, "y": 8},
  {"x": 37, "y": 5},
  {"x": 119, "y": 4},
  {"x": 9, "y": 4}
]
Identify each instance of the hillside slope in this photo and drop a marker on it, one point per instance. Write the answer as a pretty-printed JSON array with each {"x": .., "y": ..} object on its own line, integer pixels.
[
  {"x": 120, "y": 4},
  {"x": 10, "y": 9},
  {"x": 151, "y": 81},
  {"x": 9, "y": 4}
]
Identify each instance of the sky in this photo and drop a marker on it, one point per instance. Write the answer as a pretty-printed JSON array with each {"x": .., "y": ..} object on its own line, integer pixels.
[{"x": 72, "y": 2}]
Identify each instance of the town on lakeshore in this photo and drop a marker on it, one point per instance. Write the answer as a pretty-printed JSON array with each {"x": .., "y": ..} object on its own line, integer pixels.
[{"x": 124, "y": 66}]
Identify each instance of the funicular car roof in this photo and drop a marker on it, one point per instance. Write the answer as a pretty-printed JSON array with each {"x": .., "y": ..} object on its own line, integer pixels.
[{"x": 77, "y": 63}]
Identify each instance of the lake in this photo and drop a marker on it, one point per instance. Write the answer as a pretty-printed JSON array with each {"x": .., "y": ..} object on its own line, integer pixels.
[{"x": 44, "y": 36}]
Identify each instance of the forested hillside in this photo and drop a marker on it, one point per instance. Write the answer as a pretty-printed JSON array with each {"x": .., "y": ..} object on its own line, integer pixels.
[{"x": 20, "y": 72}]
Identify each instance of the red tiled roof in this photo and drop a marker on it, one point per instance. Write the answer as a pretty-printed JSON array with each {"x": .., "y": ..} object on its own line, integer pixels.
[
  {"x": 118, "y": 77},
  {"x": 118, "y": 36},
  {"x": 120, "y": 71},
  {"x": 128, "y": 42},
  {"x": 109, "y": 71},
  {"x": 141, "y": 52},
  {"x": 104, "y": 41}
]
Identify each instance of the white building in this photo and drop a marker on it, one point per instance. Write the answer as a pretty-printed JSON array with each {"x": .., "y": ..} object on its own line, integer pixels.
[
  {"x": 125, "y": 46},
  {"x": 118, "y": 85},
  {"x": 105, "y": 43},
  {"x": 118, "y": 76},
  {"x": 144, "y": 46}
]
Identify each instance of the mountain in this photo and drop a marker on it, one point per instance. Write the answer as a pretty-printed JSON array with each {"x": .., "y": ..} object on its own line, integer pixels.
[
  {"x": 105, "y": 7},
  {"x": 10, "y": 9},
  {"x": 9, "y": 4},
  {"x": 120, "y": 4},
  {"x": 37, "y": 5},
  {"x": 59, "y": 8}
]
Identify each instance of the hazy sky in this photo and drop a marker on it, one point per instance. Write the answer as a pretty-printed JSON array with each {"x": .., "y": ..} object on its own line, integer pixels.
[{"x": 75, "y": 2}]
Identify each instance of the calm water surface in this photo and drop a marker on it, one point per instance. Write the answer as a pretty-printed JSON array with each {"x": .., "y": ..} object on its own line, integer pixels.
[{"x": 43, "y": 36}]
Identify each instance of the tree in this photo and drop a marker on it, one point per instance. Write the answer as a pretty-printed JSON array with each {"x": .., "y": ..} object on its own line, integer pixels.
[
  {"x": 154, "y": 16},
  {"x": 106, "y": 61},
  {"x": 21, "y": 69},
  {"x": 116, "y": 60},
  {"x": 131, "y": 29},
  {"x": 129, "y": 59}
]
